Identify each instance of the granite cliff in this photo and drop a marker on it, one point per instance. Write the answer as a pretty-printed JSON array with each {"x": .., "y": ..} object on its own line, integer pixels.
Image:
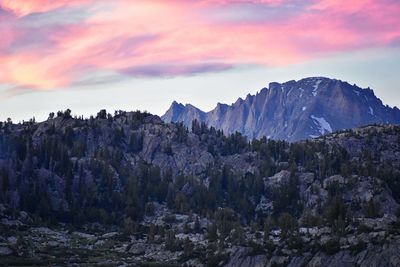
[{"x": 294, "y": 110}]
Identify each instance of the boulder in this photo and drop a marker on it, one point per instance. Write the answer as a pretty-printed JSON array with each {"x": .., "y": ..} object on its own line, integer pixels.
[
  {"x": 334, "y": 179},
  {"x": 307, "y": 178},
  {"x": 109, "y": 235},
  {"x": 5, "y": 251},
  {"x": 278, "y": 179}
]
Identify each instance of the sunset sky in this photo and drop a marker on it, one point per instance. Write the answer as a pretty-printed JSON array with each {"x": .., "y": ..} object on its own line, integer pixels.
[{"x": 143, "y": 54}]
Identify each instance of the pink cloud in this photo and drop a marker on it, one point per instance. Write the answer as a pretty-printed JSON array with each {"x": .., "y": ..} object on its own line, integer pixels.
[
  {"x": 230, "y": 2},
  {"x": 25, "y": 7},
  {"x": 176, "y": 37}
]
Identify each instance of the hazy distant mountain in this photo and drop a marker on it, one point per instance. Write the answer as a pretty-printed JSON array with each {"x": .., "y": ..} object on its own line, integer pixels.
[{"x": 293, "y": 110}]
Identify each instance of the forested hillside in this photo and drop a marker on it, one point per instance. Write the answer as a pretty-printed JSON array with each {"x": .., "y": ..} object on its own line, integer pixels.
[{"x": 132, "y": 171}]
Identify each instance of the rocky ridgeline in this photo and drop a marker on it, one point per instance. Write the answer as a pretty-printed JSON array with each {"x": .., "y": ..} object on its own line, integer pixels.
[{"x": 292, "y": 111}]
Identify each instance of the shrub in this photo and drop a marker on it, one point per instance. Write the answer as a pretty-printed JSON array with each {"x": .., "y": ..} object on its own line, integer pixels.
[{"x": 332, "y": 246}]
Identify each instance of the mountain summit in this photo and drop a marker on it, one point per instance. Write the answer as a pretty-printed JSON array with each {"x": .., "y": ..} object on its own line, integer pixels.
[{"x": 294, "y": 110}]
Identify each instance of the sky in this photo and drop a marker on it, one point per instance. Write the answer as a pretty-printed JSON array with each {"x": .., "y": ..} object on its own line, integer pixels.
[{"x": 87, "y": 55}]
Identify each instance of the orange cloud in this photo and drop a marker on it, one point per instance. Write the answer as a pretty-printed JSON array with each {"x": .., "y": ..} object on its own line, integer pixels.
[{"x": 28, "y": 70}]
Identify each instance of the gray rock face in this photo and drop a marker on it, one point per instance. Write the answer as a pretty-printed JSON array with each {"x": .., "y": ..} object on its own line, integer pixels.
[
  {"x": 294, "y": 110},
  {"x": 374, "y": 255}
]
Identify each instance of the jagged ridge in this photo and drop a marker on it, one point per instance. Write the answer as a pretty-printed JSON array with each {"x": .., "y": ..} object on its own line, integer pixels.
[{"x": 294, "y": 110}]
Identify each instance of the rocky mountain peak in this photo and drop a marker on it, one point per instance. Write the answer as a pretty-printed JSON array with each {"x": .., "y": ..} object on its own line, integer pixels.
[{"x": 294, "y": 110}]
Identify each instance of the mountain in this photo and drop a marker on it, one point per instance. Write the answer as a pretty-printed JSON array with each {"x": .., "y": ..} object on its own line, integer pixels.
[
  {"x": 132, "y": 190},
  {"x": 294, "y": 110}
]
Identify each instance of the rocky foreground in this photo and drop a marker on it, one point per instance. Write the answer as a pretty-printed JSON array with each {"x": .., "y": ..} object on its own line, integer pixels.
[{"x": 370, "y": 242}]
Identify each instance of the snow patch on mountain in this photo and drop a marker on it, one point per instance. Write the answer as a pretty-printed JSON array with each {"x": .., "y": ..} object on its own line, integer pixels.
[
  {"x": 371, "y": 111},
  {"x": 316, "y": 85},
  {"x": 323, "y": 125},
  {"x": 301, "y": 92}
]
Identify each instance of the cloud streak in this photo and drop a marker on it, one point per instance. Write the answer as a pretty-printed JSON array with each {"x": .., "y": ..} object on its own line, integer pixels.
[{"x": 176, "y": 37}]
